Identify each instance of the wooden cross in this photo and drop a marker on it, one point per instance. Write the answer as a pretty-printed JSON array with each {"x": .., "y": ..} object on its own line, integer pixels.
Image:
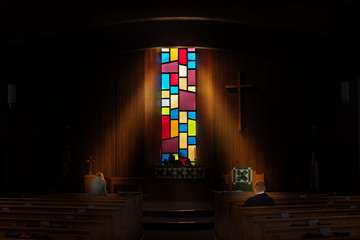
[{"x": 238, "y": 87}]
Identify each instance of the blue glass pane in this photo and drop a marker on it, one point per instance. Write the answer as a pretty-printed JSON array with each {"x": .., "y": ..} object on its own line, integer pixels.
[
  {"x": 174, "y": 90},
  {"x": 165, "y": 156},
  {"x": 192, "y": 115},
  {"x": 183, "y": 127},
  {"x": 191, "y": 140},
  {"x": 165, "y": 57},
  {"x": 165, "y": 81},
  {"x": 174, "y": 114},
  {"x": 191, "y": 64},
  {"x": 183, "y": 153},
  {"x": 191, "y": 56}
]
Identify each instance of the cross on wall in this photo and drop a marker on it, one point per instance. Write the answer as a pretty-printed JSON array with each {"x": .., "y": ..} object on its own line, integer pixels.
[{"x": 238, "y": 87}]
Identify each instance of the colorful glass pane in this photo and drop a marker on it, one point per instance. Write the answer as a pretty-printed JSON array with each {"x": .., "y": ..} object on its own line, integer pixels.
[
  {"x": 174, "y": 101},
  {"x": 191, "y": 77},
  {"x": 178, "y": 84},
  {"x": 182, "y": 56},
  {"x": 165, "y": 132},
  {"x": 165, "y": 81},
  {"x": 174, "y": 90},
  {"x": 191, "y": 64},
  {"x": 174, "y": 114},
  {"x": 192, "y": 115},
  {"x": 187, "y": 101},
  {"x": 165, "y": 102},
  {"x": 192, "y": 127},
  {"x": 174, "y": 79},
  {"x": 183, "y": 140},
  {"x": 191, "y": 56},
  {"x": 170, "y": 145},
  {"x": 192, "y": 140},
  {"x": 165, "y": 111},
  {"x": 171, "y": 67},
  {"x": 173, "y": 54},
  {"x": 174, "y": 128},
  {"x": 165, "y": 94},
  {"x": 192, "y": 89},
  {"x": 165, "y": 156},
  {"x": 183, "y": 84},
  {"x": 192, "y": 152},
  {"x": 165, "y": 57},
  {"x": 183, "y": 153},
  {"x": 182, "y": 71},
  {"x": 183, "y": 127},
  {"x": 183, "y": 117}
]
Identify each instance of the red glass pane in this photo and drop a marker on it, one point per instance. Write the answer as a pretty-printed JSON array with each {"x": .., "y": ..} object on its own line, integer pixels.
[
  {"x": 183, "y": 56},
  {"x": 187, "y": 101},
  {"x": 170, "y": 145},
  {"x": 183, "y": 160},
  {"x": 174, "y": 79},
  {"x": 165, "y": 133},
  {"x": 191, "y": 77}
]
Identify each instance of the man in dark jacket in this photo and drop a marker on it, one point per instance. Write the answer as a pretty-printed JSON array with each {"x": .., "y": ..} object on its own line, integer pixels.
[{"x": 261, "y": 198}]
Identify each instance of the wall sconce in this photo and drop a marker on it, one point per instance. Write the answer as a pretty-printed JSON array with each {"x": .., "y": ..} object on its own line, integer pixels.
[
  {"x": 345, "y": 95},
  {"x": 11, "y": 95}
]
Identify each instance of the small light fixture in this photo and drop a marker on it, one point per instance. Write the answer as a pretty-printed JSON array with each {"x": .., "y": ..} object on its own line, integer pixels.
[
  {"x": 11, "y": 95},
  {"x": 345, "y": 95}
]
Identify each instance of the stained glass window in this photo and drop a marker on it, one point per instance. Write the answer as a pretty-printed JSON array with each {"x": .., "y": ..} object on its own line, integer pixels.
[{"x": 178, "y": 92}]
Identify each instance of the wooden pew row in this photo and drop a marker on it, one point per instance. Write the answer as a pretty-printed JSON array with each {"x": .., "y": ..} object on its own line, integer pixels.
[
  {"x": 242, "y": 224},
  {"x": 223, "y": 213},
  {"x": 259, "y": 228},
  {"x": 130, "y": 226},
  {"x": 95, "y": 227},
  {"x": 280, "y": 233},
  {"x": 105, "y": 218},
  {"x": 8, "y": 232},
  {"x": 133, "y": 215},
  {"x": 223, "y": 204}
]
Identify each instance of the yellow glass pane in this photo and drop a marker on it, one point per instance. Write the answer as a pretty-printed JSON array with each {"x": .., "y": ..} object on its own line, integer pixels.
[
  {"x": 183, "y": 117},
  {"x": 174, "y": 54},
  {"x": 183, "y": 140},
  {"x": 192, "y": 128},
  {"x": 174, "y": 128},
  {"x": 192, "y": 88},
  {"x": 182, "y": 71},
  {"x": 174, "y": 101},
  {"x": 183, "y": 83},
  {"x": 165, "y": 50},
  {"x": 165, "y": 111},
  {"x": 192, "y": 152},
  {"x": 165, "y": 94},
  {"x": 176, "y": 155}
]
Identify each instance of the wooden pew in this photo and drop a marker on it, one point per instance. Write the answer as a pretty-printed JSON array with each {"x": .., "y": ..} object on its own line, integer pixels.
[
  {"x": 259, "y": 227},
  {"x": 124, "y": 213}
]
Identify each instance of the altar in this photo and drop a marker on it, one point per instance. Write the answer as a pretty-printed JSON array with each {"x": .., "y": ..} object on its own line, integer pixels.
[{"x": 179, "y": 173}]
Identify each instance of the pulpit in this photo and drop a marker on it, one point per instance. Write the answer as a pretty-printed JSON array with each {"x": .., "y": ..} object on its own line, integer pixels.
[
  {"x": 242, "y": 178},
  {"x": 87, "y": 181}
]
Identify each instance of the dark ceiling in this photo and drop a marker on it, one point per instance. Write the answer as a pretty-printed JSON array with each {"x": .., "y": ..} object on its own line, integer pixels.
[{"x": 284, "y": 27}]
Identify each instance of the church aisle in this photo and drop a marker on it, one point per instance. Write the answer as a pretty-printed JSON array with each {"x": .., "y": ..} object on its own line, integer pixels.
[{"x": 178, "y": 220}]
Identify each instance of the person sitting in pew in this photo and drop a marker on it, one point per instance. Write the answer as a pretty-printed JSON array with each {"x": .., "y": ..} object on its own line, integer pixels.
[
  {"x": 261, "y": 198},
  {"x": 98, "y": 185}
]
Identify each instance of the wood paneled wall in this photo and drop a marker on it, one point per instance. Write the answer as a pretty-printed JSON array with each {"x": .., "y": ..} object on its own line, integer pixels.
[
  {"x": 109, "y": 115},
  {"x": 110, "y": 101}
]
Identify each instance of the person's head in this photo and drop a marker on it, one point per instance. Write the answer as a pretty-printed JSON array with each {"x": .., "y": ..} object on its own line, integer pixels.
[
  {"x": 100, "y": 174},
  {"x": 259, "y": 187}
]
